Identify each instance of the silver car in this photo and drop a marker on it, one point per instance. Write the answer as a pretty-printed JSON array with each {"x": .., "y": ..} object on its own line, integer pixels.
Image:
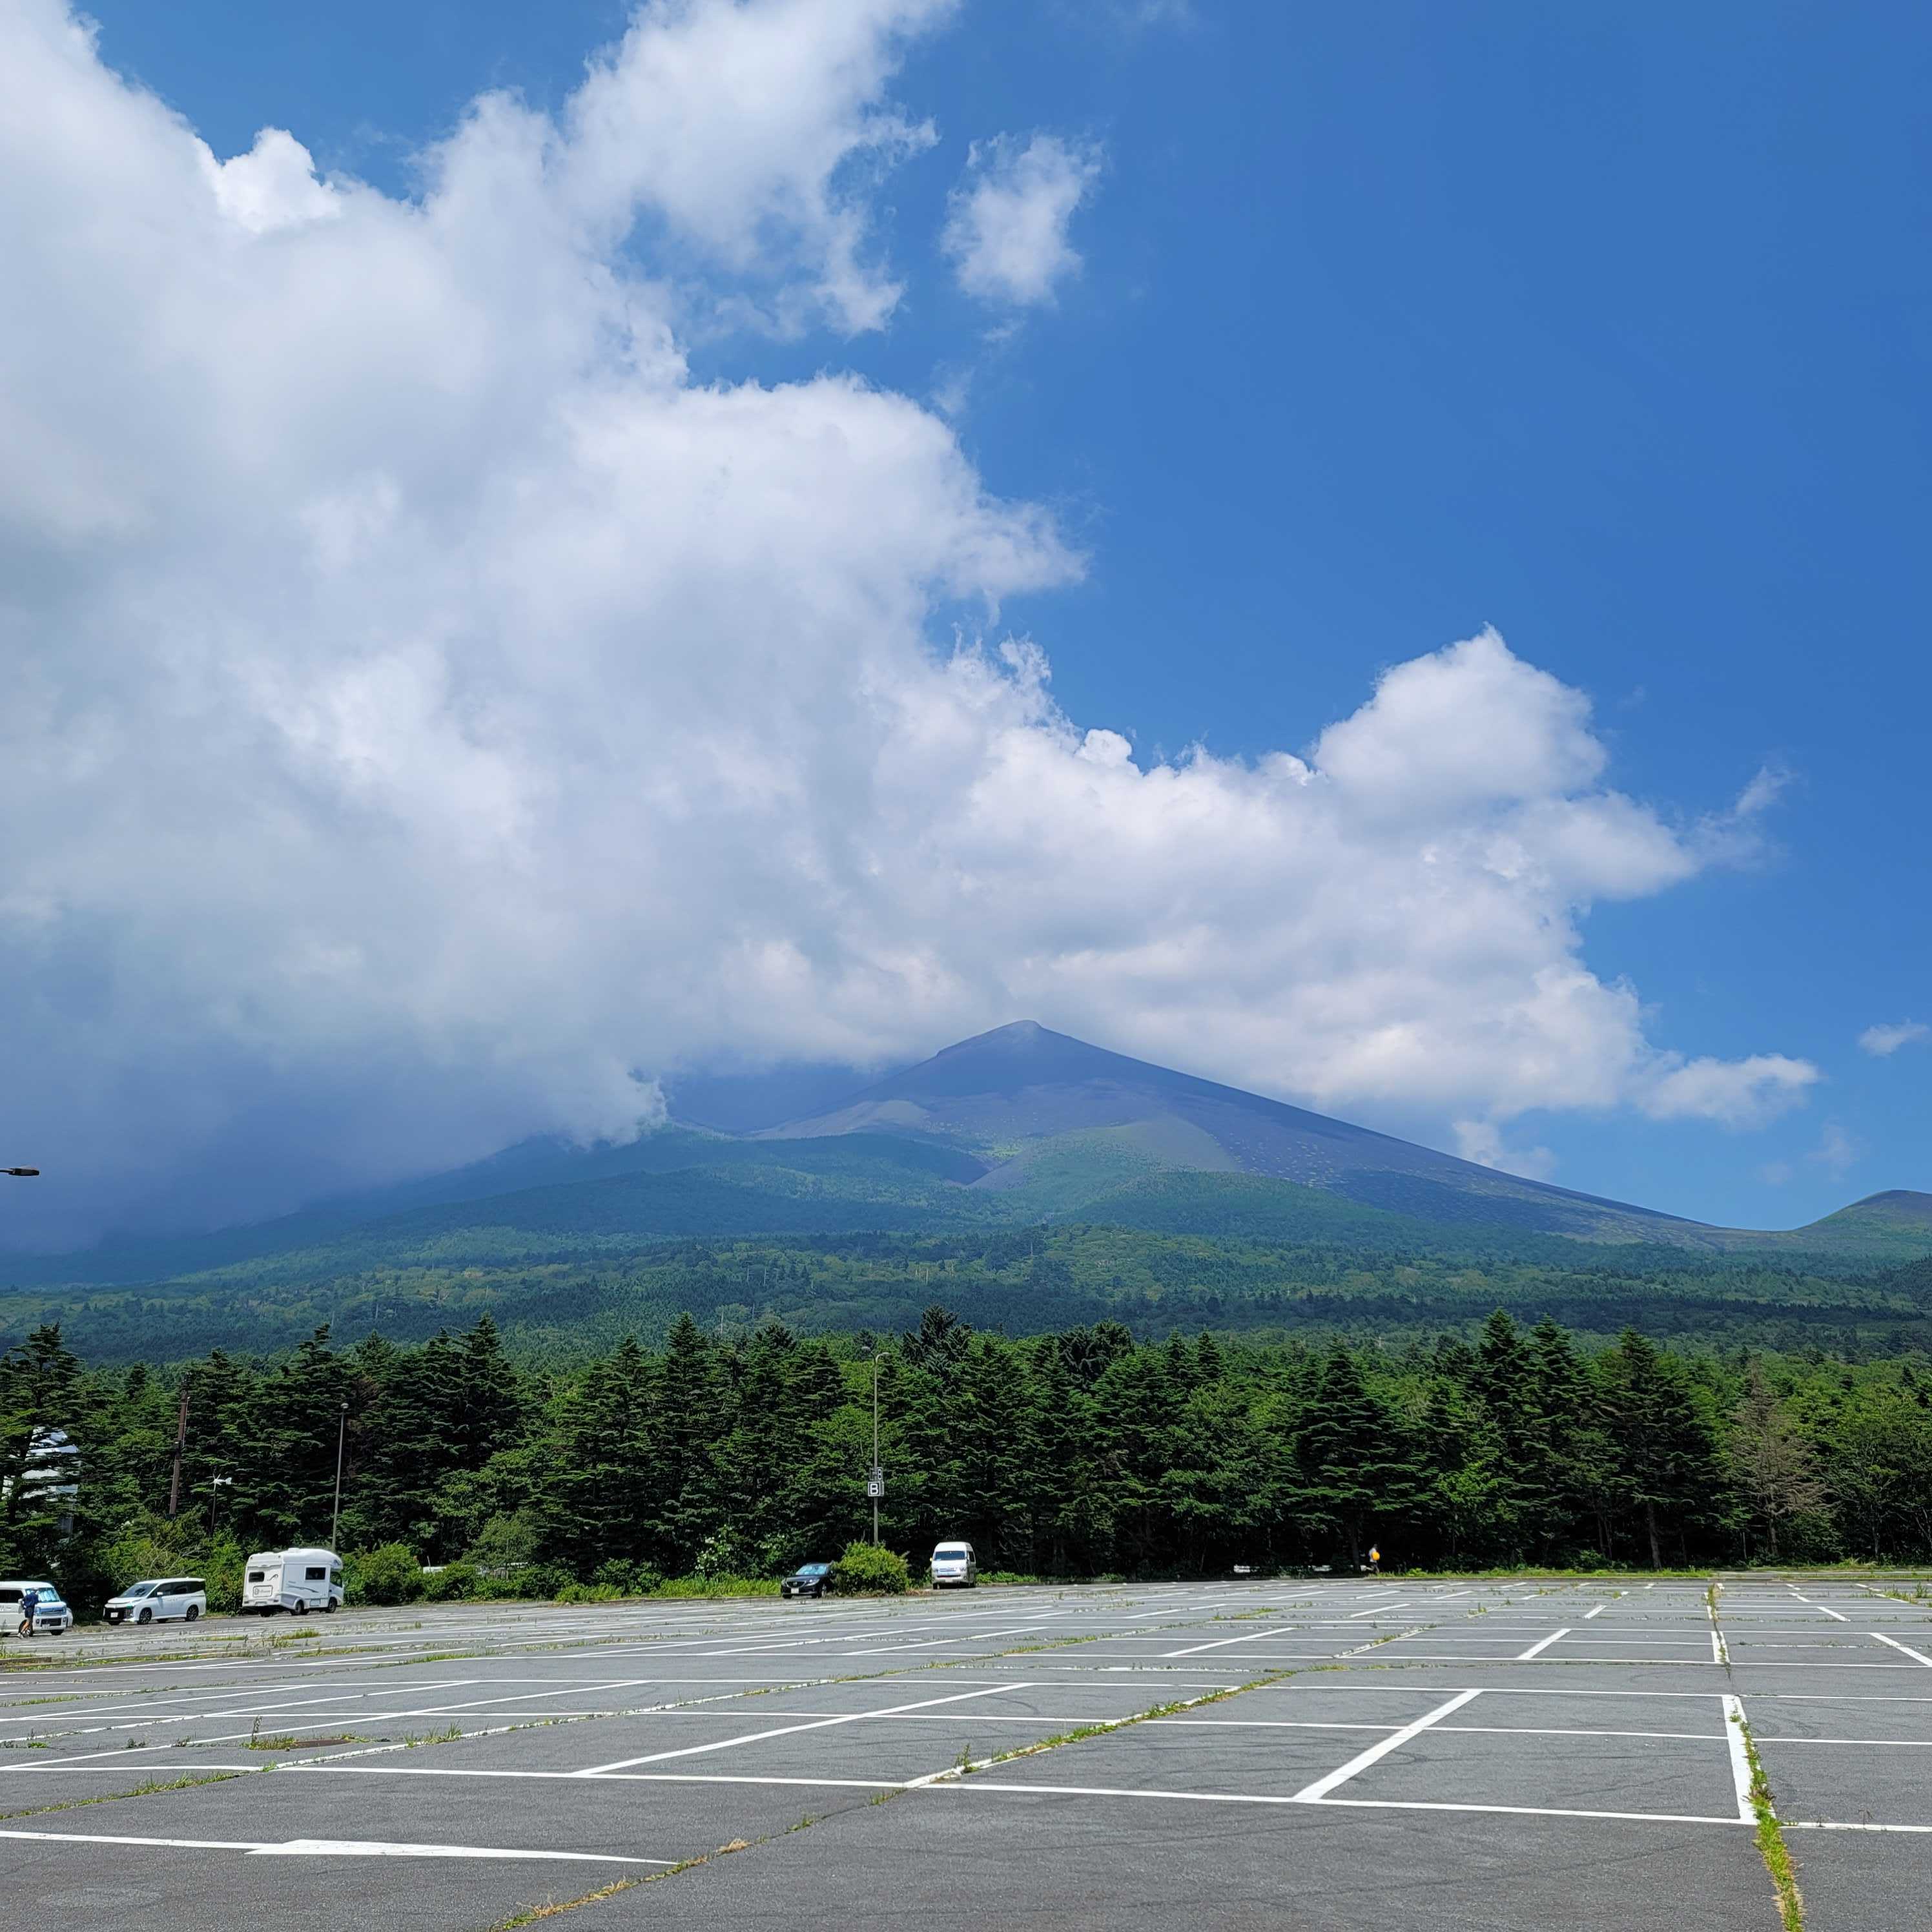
[{"x": 158, "y": 1600}]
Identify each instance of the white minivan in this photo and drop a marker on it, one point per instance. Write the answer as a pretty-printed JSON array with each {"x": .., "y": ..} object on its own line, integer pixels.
[
  {"x": 157, "y": 1600},
  {"x": 50, "y": 1612},
  {"x": 954, "y": 1563},
  {"x": 295, "y": 1580}
]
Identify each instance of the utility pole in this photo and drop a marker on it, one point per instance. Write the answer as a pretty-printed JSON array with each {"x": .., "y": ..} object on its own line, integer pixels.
[
  {"x": 341, "y": 1437},
  {"x": 180, "y": 1443},
  {"x": 876, "y": 1483}
]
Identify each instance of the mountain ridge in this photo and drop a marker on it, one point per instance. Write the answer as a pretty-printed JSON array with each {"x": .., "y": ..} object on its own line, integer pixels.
[
  {"x": 1018, "y": 1125},
  {"x": 1024, "y": 1078}
]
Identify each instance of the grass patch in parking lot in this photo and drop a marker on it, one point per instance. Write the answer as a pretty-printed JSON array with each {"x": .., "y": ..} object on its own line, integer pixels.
[
  {"x": 1770, "y": 1845},
  {"x": 1104, "y": 1727},
  {"x": 558, "y": 1907},
  {"x": 146, "y": 1788}
]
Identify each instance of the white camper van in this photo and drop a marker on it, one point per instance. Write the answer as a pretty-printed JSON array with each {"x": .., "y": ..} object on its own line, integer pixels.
[{"x": 295, "y": 1580}]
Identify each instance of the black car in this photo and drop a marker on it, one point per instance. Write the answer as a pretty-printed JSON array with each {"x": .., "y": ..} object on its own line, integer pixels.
[{"x": 809, "y": 1580}]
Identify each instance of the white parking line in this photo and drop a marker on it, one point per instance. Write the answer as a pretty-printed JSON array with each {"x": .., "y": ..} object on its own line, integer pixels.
[
  {"x": 364, "y": 1848},
  {"x": 1741, "y": 1770},
  {"x": 1320, "y": 1788},
  {"x": 1917, "y": 1657},
  {"x": 787, "y": 1730},
  {"x": 1472, "y": 1730},
  {"x": 1826, "y": 1825},
  {"x": 1597, "y": 1612},
  {"x": 1537, "y": 1649},
  {"x": 977, "y": 1783},
  {"x": 1222, "y": 1643}
]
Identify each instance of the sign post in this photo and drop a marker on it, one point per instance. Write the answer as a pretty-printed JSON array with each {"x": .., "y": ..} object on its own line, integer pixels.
[{"x": 875, "y": 1482}]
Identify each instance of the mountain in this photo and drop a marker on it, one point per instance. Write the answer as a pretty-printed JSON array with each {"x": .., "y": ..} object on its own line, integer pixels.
[
  {"x": 1025, "y": 1177},
  {"x": 1057, "y": 1118}
]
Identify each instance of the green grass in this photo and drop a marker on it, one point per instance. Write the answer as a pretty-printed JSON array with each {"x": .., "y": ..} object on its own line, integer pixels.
[
  {"x": 145, "y": 1790},
  {"x": 448, "y": 1735},
  {"x": 1770, "y": 1845}
]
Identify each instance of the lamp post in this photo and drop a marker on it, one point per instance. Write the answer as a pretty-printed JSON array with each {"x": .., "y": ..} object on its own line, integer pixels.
[
  {"x": 216, "y": 1483},
  {"x": 21, "y": 1173},
  {"x": 341, "y": 1437}
]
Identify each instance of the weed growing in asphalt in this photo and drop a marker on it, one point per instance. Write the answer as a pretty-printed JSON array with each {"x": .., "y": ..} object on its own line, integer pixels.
[
  {"x": 1104, "y": 1728},
  {"x": 1770, "y": 1845},
  {"x": 448, "y": 1736},
  {"x": 145, "y": 1790}
]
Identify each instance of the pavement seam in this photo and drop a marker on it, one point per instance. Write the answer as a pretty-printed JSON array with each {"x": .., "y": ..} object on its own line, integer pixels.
[
  {"x": 556, "y": 1908},
  {"x": 1770, "y": 1845},
  {"x": 966, "y": 1766},
  {"x": 147, "y": 1790}
]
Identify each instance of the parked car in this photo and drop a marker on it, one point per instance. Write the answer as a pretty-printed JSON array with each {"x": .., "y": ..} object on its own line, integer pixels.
[
  {"x": 51, "y": 1615},
  {"x": 295, "y": 1580},
  {"x": 158, "y": 1600},
  {"x": 809, "y": 1580},
  {"x": 954, "y": 1565}
]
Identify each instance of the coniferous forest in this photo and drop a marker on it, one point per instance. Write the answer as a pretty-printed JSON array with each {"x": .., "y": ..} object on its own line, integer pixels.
[{"x": 1079, "y": 1454}]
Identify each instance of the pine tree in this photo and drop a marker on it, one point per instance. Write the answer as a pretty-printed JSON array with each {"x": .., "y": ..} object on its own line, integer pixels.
[
  {"x": 1769, "y": 1460},
  {"x": 1667, "y": 1470},
  {"x": 1353, "y": 1466}
]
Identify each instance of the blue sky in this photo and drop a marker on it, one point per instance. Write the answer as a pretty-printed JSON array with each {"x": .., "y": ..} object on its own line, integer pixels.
[{"x": 1389, "y": 325}]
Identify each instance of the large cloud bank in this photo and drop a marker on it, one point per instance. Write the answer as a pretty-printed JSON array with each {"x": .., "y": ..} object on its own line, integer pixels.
[{"x": 431, "y": 715}]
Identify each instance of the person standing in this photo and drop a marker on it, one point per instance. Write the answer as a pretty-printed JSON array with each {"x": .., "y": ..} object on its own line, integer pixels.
[{"x": 30, "y": 1602}]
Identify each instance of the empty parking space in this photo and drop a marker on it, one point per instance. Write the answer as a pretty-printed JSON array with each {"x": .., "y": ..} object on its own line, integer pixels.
[{"x": 1388, "y": 1750}]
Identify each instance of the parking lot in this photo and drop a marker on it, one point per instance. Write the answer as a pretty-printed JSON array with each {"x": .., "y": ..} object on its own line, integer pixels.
[{"x": 1335, "y": 1754}]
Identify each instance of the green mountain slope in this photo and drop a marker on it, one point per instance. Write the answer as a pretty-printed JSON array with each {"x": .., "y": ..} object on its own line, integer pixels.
[{"x": 1025, "y": 1178}]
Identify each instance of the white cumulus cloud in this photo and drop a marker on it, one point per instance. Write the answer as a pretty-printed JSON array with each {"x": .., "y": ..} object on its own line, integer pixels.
[
  {"x": 1006, "y": 231},
  {"x": 1882, "y": 1042},
  {"x": 432, "y": 716}
]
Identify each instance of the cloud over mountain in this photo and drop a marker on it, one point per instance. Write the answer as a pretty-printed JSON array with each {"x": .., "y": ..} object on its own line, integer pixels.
[{"x": 433, "y": 714}]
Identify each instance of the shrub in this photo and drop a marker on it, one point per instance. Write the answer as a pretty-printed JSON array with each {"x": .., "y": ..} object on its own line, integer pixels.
[
  {"x": 716, "y": 1586},
  {"x": 629, "y": 1579},
  {"x": 389, "y": 1575},
  {"x": 588, "y": 1593},
  {"x": 506, "y": 1542},
  {"x": 722, "y": 1553},
  {"x": 867, "y": 1569},
  {"x": 221, "y": 1571},
  {"x": 454, "y": 1583},
  {"x": 532, "y": 1579}
]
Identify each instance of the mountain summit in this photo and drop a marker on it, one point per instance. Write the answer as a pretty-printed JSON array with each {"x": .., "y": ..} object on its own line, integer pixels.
[{"x": 1035, "y": 1103}]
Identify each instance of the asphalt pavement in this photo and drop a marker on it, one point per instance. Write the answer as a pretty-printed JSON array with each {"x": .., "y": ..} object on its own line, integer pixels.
[{"x": 1328, "y": 1754}]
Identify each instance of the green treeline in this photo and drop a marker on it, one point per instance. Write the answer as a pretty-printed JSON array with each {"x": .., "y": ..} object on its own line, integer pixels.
[
  {"x": 549, "y": 1301},
  {"x": 1079, "y": 1454}
]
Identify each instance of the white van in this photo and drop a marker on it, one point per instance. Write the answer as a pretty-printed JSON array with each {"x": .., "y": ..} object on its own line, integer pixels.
[
  {"x": 297, "y": 1581},
  {"x": 50, "y": 1613},
  {"x": 157, "y": 1600},
  {"x": 954, "y": 1563}
]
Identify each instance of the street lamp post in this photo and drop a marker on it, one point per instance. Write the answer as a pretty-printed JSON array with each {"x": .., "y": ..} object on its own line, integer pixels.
[
  {"x": 341, "y": 1436},
  {"x": 22, "y": 1173},
  {"x": 875, "y": 1485}
]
